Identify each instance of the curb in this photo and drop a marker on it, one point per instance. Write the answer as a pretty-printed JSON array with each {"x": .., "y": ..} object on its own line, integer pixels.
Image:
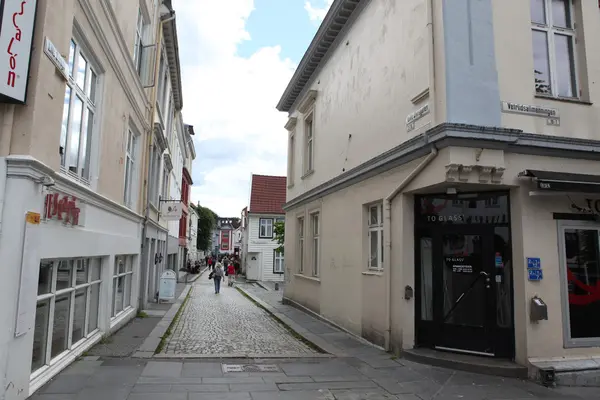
[
  {"x": 151, "y": 343},
  {"x": 328, "y": 349}
]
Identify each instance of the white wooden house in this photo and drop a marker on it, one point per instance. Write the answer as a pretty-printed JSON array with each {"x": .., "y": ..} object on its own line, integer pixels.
[{"x": 260, "y": 260}]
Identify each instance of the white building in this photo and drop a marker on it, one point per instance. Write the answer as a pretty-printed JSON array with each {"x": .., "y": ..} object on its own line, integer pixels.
[
  {"x": 261, "y": 262},
  {"x": 74, "y": 122},
  {"x": 455, "y": 146}
]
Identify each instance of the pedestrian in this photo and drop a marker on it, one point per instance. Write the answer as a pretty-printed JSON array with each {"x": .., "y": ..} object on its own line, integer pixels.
[
  {"x": 217, "y": 276},
  {"x": 209, "y": 263},
  {"x": 230, "y": 274}
]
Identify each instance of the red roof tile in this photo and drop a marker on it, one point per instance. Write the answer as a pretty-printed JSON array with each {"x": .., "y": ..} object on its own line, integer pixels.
[{"x": 267, "y": 195}]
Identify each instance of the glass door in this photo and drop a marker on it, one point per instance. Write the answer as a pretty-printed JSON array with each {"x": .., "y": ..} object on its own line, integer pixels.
[{"x": 464, "y": 309}]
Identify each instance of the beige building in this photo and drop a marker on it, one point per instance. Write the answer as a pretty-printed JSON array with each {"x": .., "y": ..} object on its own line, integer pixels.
[
  {"x": 78, "y": 95},
  {"x": 443, "y": 176}
]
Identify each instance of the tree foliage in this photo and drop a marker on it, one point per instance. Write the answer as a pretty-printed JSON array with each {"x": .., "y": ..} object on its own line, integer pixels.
[
  {"x": 207, "y": 221},
  {"x": 279, "y": 235}
]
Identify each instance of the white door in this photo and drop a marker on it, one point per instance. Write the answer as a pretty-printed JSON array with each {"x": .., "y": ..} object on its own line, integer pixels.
[{"x": 253, "y": 272}]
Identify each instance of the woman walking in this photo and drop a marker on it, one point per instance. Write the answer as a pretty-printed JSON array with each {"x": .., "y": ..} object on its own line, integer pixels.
[
  {"x": 217, "y": 276},
  {"x": 230, "y": 274}
]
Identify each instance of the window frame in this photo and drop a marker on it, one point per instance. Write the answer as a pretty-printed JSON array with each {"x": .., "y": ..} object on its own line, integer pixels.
[
  {"x": 154, "y": 178},
  {"x": 127, "y": 276},
  {"x": 551, "y": 31},
  {"x": 301, "y": 246},
  {"x": 278, "y": 256},
  {"x": 309, "y": 143},
  {"x": 90, "y": 98},
  {"x": 141, "y": 29},
  {"x": 260, "y": 224},
  {"x": 315, "y": 246},
  {"x": 72, "y": 292},
  {"x": 164, "y": 193},
  {"x": 375, "y": 229},
  {"x": 291, "y": 158},
  {"x": 129, "y": 174}
]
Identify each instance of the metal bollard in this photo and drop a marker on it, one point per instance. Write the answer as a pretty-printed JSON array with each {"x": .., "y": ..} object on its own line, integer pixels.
[{"x": 276, "y": 285}]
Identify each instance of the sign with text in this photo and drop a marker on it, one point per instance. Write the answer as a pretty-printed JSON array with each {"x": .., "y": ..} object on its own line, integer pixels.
[
  {"x": 461, "y": 264},
  {"x": 63, "y": 208},
  {"x": 415, "y": 116},
  {"x": 225, "y": 240},
  {"x": 57, "y": 59},
  {"x": 171, "y": 210},
  {"x": 16, "y": 36},
  {"x": 552, "y": 115},
  {"x": 166, "y": 289}
]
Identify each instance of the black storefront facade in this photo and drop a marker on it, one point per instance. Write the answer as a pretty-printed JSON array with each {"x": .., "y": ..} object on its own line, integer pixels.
[{"x": 463, "y": 273}]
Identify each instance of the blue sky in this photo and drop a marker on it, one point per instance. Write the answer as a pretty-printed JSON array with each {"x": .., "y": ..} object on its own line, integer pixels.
[{"x": 237, "y": 58}]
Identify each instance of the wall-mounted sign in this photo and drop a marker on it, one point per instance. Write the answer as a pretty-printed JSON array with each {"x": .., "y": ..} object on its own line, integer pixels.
[
  {"x": 460, "y": 265},
  {"x": 61, "y": 207},
  {"x": 552, "y": 115},
  {"x": 57, "y": 59},
  {"x": 534, "y": 269},
  {"x": 225, "y": 240},
  {"x": 415, "y": 116},
  {"x": 16, "y": 36},
  {"x": 171, "y": 210}
]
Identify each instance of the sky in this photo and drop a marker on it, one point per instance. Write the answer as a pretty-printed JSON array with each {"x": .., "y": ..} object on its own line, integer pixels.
[{"x": 237, "y": 57}]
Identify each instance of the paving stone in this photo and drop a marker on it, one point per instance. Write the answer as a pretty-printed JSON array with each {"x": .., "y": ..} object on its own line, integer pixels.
[
  {"x": 65, "y": 384},
  {"x": 167, "y": 380},
  {"x": 232, "y": 379},
  {"x": 115, "y": 377},
  {"x": 229, "y": 324},
  {"x": 72, "y": 396},
  {"x": 202, "y": 370},
  {"x": 287, "y": 379},
  {"x": 199, "y": 388},
  {"x": 297, "y": 395},
  {"x": 327, "y": 385},
  {"x": 220, "y": 396},
  {"x": 253, "y": 387},
  {"x": 333, "y": 378},
  {"x": 103, "y": 393},
  {"x": 370, "y": 395},
  {"x": 331, "y": 368},
  {"x": 156, "y": 396},
  {"x": 151, "y": 388},
  {"x": 163, "y": 369},
  {"x": 82, "y": 367}
]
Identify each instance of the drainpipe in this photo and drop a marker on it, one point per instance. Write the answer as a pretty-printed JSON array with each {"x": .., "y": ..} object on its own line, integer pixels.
[
  {"x": 5, "y": 139},
  {"x": 387, "y": 234},
  {"x": 431, "y": 42}
]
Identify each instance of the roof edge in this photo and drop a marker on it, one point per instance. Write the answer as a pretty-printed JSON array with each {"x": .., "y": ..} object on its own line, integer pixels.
[
  {"x": 333, "y": 24},
  {"x": 172, "y": 43}
]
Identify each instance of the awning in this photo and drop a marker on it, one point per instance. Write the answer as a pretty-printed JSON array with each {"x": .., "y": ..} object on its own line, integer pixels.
[{"x": 563, "y": 181}]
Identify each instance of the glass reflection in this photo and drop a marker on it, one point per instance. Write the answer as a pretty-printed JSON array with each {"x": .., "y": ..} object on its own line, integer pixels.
[
  {"x": 60, "y": 331},
  {"x": 541, "y": 62},
  {"x": 75, "y": 135},
  {"x": 65, "y": 125},
  {"x": 81, "y": 71},
  {"x": 565, "y": 69}
]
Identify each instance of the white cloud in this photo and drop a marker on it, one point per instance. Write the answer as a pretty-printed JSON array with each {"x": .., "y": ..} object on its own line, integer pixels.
[
  {"x": 230, "y": 99},
  {"x": 317, "y": 9}
]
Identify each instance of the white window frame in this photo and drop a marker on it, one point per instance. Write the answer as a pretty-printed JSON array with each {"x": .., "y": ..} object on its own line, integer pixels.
[
  {"x": 127, "y": 275},
  {"x": 278, "y": 262},
  {"x": 315, "y": 248},
  {"x": 154, "y": 178},
  {"x": 130, "y": 169},
  {"x": 72, "y": 290},
  {"x": 309, "y": 143},
  {"x": 563, "y": 225},
  {"x": 300, "y": 222},
  {"x": 291, "y": 159},
  {"x": 375, "y": 228},
  {"x": 551, "y": 32},
  {"x": 165, "y": 184},
  {"x": 269, "y": 225},
  {"x": 138, "y": 47},
  {"x": 89, "y": 96}
]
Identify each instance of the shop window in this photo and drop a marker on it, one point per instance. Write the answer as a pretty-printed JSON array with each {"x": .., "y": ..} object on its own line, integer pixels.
[
  {"x": 426, "y": 255},
  {"x": 122, "y": 277},
  {"x": 67, "y": 307},
  {"x": 375, "y": 235},
  {"x": 581, "y": 262}
]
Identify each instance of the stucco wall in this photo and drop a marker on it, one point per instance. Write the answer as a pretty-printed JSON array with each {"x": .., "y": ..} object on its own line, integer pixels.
[{"x": 365, "y": 90}]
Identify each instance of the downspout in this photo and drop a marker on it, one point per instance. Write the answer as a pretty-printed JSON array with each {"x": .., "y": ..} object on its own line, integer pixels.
[
  {"x": 431, "y": 43},
  {"x": 387, "y": 234},
  {"x": 5, "y": 141}
]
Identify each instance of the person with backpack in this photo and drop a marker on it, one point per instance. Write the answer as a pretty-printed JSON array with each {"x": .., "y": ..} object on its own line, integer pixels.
[{"x": 216, "y": 276}]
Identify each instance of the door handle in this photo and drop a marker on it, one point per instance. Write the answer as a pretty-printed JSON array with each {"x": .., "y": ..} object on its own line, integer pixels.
[{"x": 483, "y": 273}]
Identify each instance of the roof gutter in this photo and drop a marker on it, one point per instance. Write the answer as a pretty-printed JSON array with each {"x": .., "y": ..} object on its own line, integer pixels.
[{"x": 172, "y": 44}]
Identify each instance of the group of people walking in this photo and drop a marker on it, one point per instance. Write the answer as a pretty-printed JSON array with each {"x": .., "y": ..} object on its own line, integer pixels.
[{"x": 221, "y": 268}]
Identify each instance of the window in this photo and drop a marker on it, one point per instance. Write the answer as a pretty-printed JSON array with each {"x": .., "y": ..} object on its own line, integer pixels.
[
  {"x": 165, "y": 185},
  {"x": 554, "y": 37},
  {"x": 78, "y": 116},
  {"x": 291, "y": 160},
  {"x": 375, "y": 235},
  {"x": 138, "y": 48},
  {"x": 68, "y": 300},
  {"x": 265, "y": 228},
  {"x": 154, "y": 178},
  {"x": 316, "y": 237},
  {"x": 309, "y": 140},
  {"x": 130, "y": 168},
  {"x": 301, "y": 245},
  {"x": 123, "y": 272},
  {"x": 278, "y": 262}
]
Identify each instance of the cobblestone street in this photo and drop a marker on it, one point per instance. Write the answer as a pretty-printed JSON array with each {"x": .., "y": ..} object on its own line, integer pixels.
[{"x": 229, "y": 325}]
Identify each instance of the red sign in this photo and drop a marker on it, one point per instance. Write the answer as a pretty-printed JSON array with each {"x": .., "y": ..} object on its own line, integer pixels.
[
  {"x": 225, "y": 238},
  {"x": 63, "y": 208}
]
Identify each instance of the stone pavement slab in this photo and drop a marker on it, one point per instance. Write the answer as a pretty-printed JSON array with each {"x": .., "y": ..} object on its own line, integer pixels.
[{"x": 229, "y": 325}]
